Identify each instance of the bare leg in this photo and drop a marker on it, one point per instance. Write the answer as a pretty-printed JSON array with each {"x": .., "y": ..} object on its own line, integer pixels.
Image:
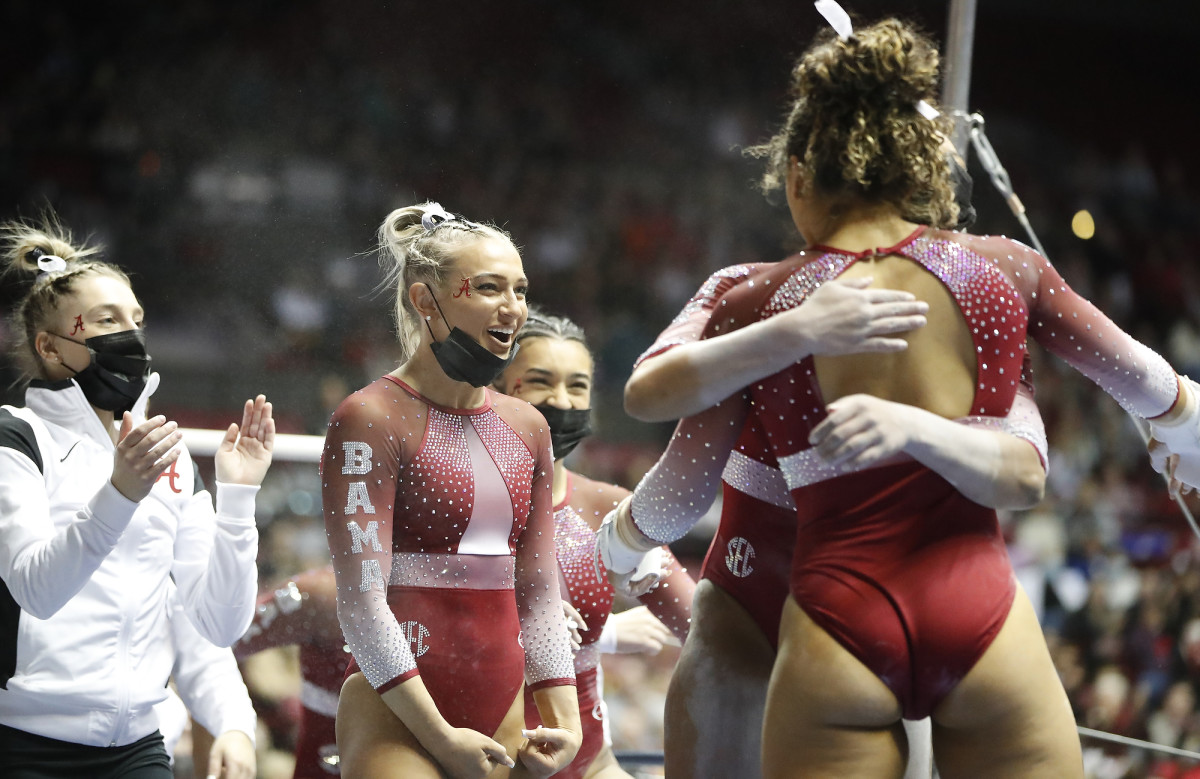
[
  {"x": 374, "y": 744},
  {"x": 605, "y": 766},
  {"x": 1010, "y": 715},
  {"x": 715, "y": 699},
  {"x": 827, "y": 714}
]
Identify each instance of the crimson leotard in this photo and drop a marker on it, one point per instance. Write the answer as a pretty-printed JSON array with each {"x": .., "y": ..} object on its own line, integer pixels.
[
  {"x": 576, "y": 518},
  {"x": 750, "y": 555},
  {"x": 447, "y": 511},
  {"x": 903, "y": 570},
  {"x": 302, "y": 612}
]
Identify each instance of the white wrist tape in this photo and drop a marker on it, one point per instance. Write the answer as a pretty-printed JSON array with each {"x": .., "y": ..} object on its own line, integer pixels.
[
  {"x": 1182, "y": 433},
  {"x": 618, "y": 555}
]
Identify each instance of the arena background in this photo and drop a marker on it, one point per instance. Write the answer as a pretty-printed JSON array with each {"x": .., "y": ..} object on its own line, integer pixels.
[{"x": 237, "y": 158}]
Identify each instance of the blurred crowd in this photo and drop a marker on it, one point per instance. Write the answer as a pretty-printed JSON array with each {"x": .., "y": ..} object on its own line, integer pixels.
[{"x": 238, "y": 157}]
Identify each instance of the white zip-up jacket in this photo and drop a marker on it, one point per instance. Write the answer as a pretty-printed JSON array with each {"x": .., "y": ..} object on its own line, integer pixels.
[
  {"x": 85, "y": 634},
  {"x": 208, "y": 686}
]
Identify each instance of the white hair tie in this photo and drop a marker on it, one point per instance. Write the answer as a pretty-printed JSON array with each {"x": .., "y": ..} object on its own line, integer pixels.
[{"x": 47, "y": 263}]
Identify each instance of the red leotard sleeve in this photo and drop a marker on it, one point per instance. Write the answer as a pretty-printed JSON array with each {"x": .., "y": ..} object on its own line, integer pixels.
[
  {"x": 1069, "y": 326},
  {"x": 364, "y": 453},
  {"x": 548, "y": 658}
]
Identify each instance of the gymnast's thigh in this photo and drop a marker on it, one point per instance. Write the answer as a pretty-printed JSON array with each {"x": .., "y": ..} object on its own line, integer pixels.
[
  {"x": 716, "y": 695},
  {"x": 827, "y": 714},
  {"x": 372, "y": 741}
]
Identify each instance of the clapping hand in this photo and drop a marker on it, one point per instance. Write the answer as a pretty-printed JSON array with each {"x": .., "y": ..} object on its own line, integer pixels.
[{"x": 245, "y": 453}]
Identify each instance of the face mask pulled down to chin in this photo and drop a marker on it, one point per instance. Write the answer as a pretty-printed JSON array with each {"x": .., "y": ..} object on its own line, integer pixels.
[{"x": 462, "y": 358}]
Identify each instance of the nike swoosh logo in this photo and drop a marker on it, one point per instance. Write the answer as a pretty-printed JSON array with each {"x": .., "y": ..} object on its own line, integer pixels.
[{"x": 68, "y": 454}]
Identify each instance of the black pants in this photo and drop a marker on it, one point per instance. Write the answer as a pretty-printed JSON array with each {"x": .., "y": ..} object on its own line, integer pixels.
[{"x": 26, "y": 756}]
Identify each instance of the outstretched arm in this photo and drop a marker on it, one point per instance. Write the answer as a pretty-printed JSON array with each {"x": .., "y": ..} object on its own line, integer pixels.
[{"x": 841, "y": 317}]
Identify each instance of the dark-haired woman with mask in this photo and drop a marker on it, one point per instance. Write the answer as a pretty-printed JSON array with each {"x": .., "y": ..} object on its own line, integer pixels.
[
  {"x": 553, "y": 371},
  {"x": 437, "y": 497},
  {"x": 100, "y": 509}
]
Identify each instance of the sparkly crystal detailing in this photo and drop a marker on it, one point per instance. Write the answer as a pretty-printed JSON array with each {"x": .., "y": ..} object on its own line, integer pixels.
[
  {"x": 681, "y": 487},
  {"x": 575, "y": 522},
  {"x": 758, "y": 480},
  {"x": 452, "y": 571},
  {"x": 423, "y": 485},
  {"x": 808, "y": 467},
  {"x": 586, "y": 658},
  {"x": 1023, "y": 421}
]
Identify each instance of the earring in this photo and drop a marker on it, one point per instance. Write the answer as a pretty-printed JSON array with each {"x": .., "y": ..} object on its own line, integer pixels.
[{"x": 427, "y": 318}]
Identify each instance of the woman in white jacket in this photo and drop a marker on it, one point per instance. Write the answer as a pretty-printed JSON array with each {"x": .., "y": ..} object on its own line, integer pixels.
[{"x": 100, "y": 508}]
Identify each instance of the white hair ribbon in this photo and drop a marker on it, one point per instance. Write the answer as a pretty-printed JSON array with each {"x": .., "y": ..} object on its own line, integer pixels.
[
  {"x": 927, "y": 111},
  {"x": 837, "y": 17},
  {"x": 50, "y": 263},
  {"x": 434, "y": 215}
]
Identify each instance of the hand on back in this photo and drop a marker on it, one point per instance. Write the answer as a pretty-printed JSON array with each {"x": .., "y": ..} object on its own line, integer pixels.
[{"x": 847, "y": 317}]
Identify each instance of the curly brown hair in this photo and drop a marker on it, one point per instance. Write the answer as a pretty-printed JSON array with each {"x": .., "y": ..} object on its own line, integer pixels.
[{"x": 854, "y": 126}]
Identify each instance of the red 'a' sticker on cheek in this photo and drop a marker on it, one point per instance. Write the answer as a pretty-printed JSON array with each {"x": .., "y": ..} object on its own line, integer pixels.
[
  {"x": 78, "y": 324},
  {"x": 465, "y": 289}
]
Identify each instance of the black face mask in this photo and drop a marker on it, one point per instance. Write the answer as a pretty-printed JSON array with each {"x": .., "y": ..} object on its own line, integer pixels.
[
  {"x": 963, "y": 186},
  {"x": 568, "y": 426},
  {"x": 464, "y": 359},
  {"x": 117, "y": 375}
]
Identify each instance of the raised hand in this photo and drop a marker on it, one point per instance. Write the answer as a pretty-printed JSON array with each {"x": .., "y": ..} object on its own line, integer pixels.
[
  {"x": 640, "y": 632},
  {"x": 846, "y": 317},
  {"x": 860, "y": 430},
  {"x": 142, "y": 454},
  {"x": 245, "y": 458}
]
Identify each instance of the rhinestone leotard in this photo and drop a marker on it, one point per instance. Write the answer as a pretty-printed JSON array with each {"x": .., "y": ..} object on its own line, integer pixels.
[
  {"x": 434, "y": 517},
  {"x": 576, "y": 519},
  {"x": 910, "y": 576},
  {"x": 750, "y": 554}
]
